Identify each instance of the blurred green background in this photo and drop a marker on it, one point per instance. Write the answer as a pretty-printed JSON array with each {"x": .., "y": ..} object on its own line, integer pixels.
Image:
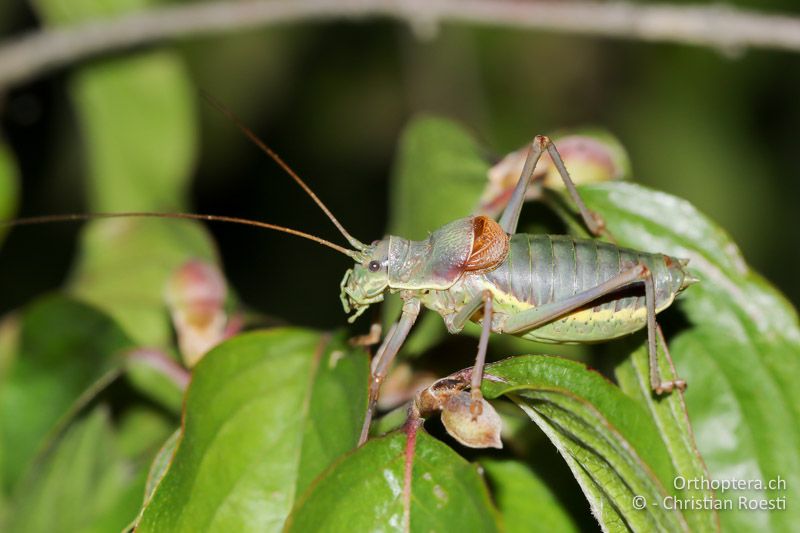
[{"x": 714, "y": 128}]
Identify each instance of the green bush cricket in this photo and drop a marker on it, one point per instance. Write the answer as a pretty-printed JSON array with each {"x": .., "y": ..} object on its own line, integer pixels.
[{"x": 549, "y": 288}]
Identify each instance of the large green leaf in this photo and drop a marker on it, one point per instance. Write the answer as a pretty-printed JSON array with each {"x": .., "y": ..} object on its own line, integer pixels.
[
  {"x": 9, "y": 186},
  {"x": 365, "y": 491},
  {"x": 609, "y": 441},
  {"x": 130, "y": 110},
  {"x": 741, "y": 355},
  {"x": 670, "y": 415},
  {"x": 264, "y": 414},
  {"x": 85, "y": 484},
  {"x": 524, "y": 500},
  {"x": 64, "y": 348},
  {"x": 139, "y": 127}
]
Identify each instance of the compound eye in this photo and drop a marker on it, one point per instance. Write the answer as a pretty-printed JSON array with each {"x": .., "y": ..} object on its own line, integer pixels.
[{"x": 374, "y": 266}]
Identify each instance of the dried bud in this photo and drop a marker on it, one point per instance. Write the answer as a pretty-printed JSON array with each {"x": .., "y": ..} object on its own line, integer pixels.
[
  {"x": 196, "y": 298},
  {"x": 475, "y": 428}
]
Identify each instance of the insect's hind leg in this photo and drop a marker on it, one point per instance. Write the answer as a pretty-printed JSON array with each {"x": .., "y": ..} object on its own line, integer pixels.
[
  {"x": 510, "y": 218},
  {"x": 676, "y": 383},
  {"x": 543, "y": 314},
  {"x": 657, "y": 384}
]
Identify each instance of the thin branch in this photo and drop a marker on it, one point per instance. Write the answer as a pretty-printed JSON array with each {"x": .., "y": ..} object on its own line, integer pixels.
[{"x": 721, "y": 27}]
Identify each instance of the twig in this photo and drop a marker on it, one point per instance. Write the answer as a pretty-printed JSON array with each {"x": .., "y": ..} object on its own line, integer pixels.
[{"x": 725, "y": 28}]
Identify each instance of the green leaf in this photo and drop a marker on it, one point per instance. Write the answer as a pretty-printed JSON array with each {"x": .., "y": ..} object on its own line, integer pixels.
[
  {"x": 65, "y": 347},
  {"x": 130, "y": 109},
  {"x": 741, "y": 356},
  {"x": 9, "y": 345},
  {"x": 670, "y": 415},
  {"x": 364, "y": 491},
  {"x": 83, "y": 485},
  {"x": 434, "y": 150},
  {"x": 161, "y": 463},
  {"x": 264, "y": 414},
  {"x": 9, "y": 185},
  {"x": 524, "y": 500},
  {"x": 609, "y": 441},
  {"x": 336, "y": 411},
  {"x": 75, "y": 11}
]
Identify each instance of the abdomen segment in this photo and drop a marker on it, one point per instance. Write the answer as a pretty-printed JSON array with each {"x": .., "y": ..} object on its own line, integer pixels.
[{"x": 542, "y": 269}]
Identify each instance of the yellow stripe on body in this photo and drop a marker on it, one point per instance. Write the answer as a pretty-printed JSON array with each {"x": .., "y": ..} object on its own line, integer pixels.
[{"x": 586, "y": 325}]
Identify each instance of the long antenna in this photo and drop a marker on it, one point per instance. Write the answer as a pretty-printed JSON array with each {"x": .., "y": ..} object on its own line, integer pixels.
[
  {"x": 358, "y": 245},
  {"x": 47, "y": 219}
]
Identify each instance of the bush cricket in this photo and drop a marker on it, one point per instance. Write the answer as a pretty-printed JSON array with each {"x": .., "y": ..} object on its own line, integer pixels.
[{"x": 549, "y": 288}]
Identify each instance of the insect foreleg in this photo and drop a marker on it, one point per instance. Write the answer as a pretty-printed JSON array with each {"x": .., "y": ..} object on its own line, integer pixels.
[
  {"x": 384, "y": 357},
  {"x": 508, "y": 221},
  {"x": 382, "y": 349}
]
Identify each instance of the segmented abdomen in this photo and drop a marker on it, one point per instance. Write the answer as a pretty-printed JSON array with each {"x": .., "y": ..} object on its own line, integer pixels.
[{"x": 541, "y": 269}]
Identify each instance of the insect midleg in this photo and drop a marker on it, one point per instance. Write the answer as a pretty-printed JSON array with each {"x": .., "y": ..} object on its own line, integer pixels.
[
  {"x": 384, "y": 357},
  {"x": 508, "y": 221},
  {"x": 456, "y": 323},
  {"x": 480, "y": 360}
]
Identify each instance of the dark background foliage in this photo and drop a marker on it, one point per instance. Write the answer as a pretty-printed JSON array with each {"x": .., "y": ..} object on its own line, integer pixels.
[{"x": 715, "y": 127}]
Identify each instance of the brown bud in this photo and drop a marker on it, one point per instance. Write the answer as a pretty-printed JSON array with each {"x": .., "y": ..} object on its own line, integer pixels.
[{"x": 475, "y": 427}]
